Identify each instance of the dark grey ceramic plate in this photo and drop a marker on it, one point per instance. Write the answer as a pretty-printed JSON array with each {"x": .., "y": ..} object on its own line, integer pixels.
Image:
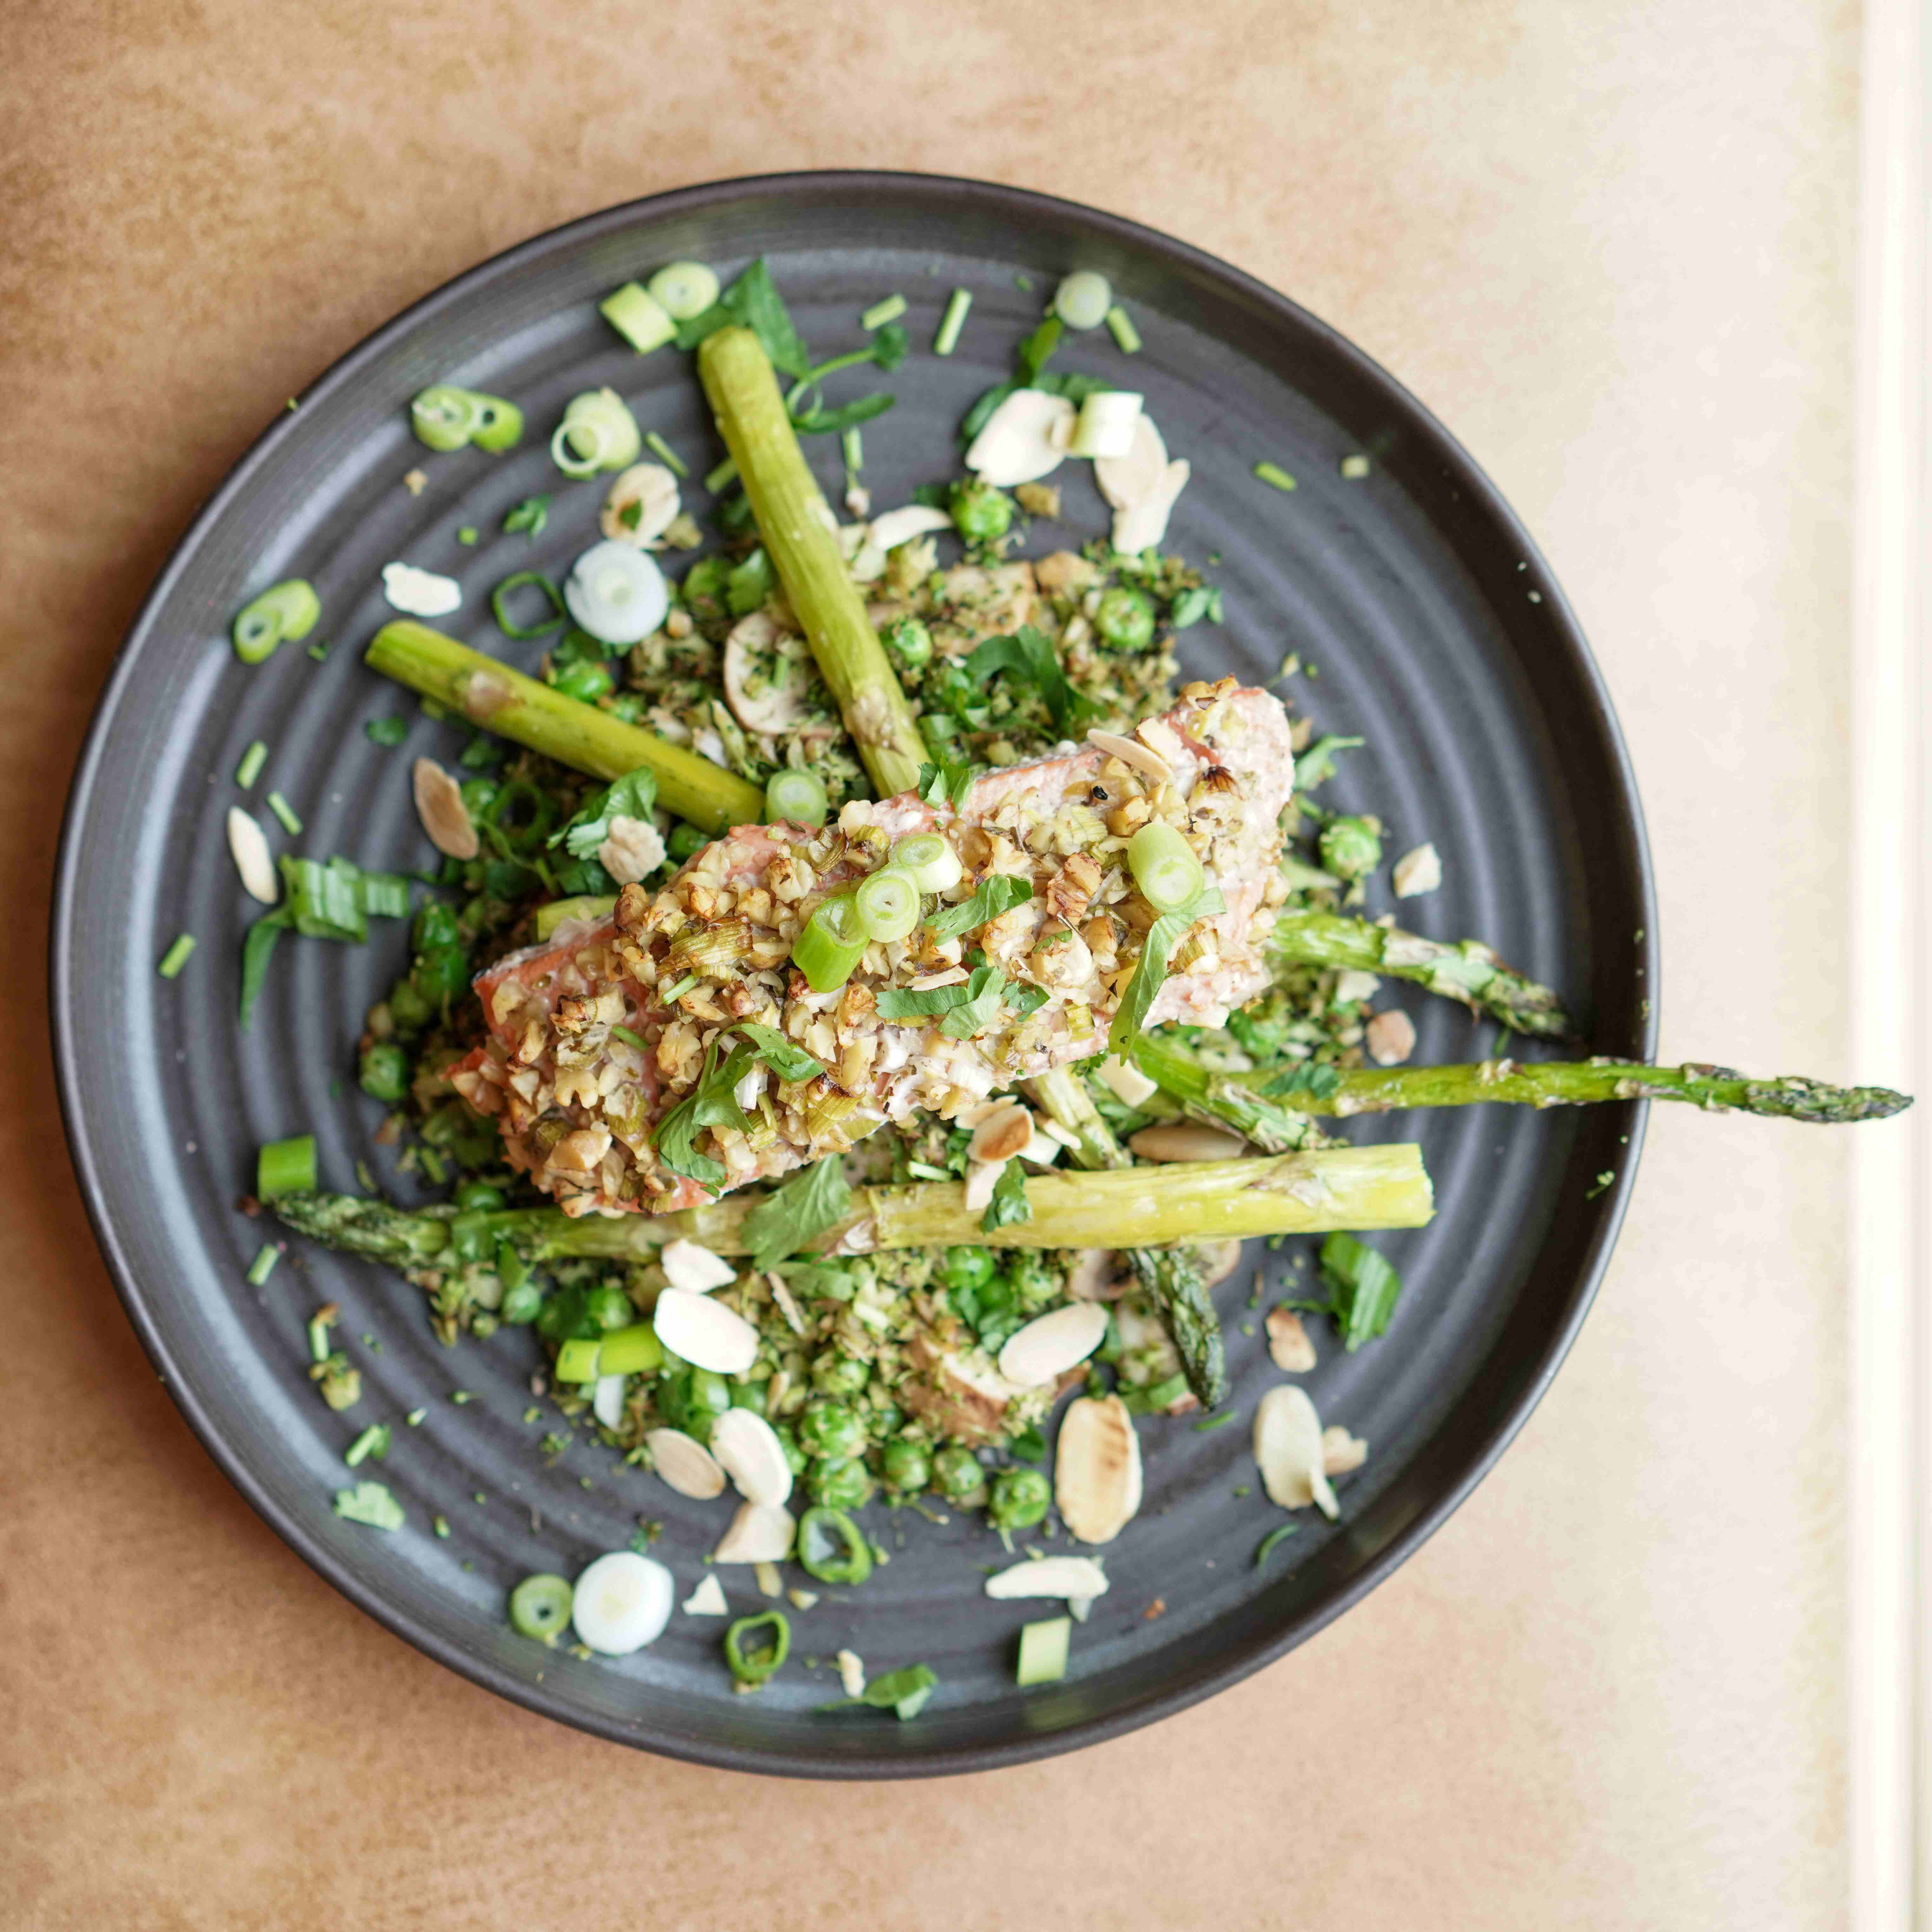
[{"x": 1438, "y": 636}]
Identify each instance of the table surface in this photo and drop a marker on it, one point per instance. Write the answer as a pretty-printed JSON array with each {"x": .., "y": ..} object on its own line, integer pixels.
[{"x": 1610, "y": 245}]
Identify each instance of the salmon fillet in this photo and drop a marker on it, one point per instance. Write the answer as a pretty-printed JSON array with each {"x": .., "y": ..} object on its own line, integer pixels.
[{"x": 586, "y": 1053}]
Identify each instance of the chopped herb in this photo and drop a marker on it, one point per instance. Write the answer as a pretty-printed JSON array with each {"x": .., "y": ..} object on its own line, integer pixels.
[
  {"x": 665, "y": 454},
  {"x": 1151, "y": 971},
  {"x": 747, "y": 584},
  {"x": 1269, "y": 1542},
  {"x": 1306, "y": 1077},
  {"x": 794, "y": 1215},
  {"x": 460, "y": 1397},
  {"x": 1364, "y": 1289},
  {"x": 632, "y": 514},
  {"x": 250, "y": 769},
  {"x": 283, "y": 810},
  {"x": 712, "y": 1103},
  {"x": 946, "y": 781},
  {"x": 903, "y": 1691},
  {"x": 992, "y": 897},
  {"x": 320, "y": 652},
  {"x": 633, "y": 795},
  {"x": 176, "y": 956},
  {"x": 1201, "y": 600},
  {"x": 371, "y": 1503},
  {"x": 530, "y": 516},
  {"x": 414, "y": 1418},
  {"x": 1027, "y": 651},
  {"x": 677, "y": 991},
  {"x": 1603, "y": 1182},
  {"x": 790, "y": 1063},
  {"x": 1009, "y": 1206},
  {"x": 387, "y": 730},
  {"x": 263, "y": 1265},
  {"x": 1029, "y": 1445},
  {"x": 630, "y": 1038},
  {"x": 1274, "y": 476},
  {"x": 1316, "y": 765},
  {"x": 374, "y": 1441},
  {"x": 889, "y": 309},
  {"x": 1208, "y": 1422},
  {"x": 440, "y": 1525},
  {"x": 467, "y": 534}
]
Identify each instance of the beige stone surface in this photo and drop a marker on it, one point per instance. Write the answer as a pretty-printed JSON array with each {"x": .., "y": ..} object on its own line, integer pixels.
[{"x": 1610, "y": 243}]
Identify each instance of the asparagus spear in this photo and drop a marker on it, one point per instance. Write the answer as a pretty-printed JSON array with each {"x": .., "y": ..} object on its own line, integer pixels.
[
  {"x": 1175, "y": 1285},
  {"x": 1063, "y": 1096},
  {"x": 797, "y": 525},
  {"x": 579, "y": 735},
  {"x": 1233, "y": 1099},
  {"x": 1468, "y": 970},
  {"x": 1384, "y": 1187}
]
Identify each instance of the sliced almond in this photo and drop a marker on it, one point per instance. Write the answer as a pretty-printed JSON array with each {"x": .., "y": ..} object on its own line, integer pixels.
[
  {"x": 1418, "y": 872},
  {"x": 851, "y": 1673},
  {"x": 787, "y": 1307},
  {"x": 1096, "y": 1468},
  {"x": 696, "y": 1270},
  {"x": 1354, "y": 986},
  {"x": 1128, "y": 1083},
  {"x": 607, "y": 1400},
  {"x": 1141, "y": 526},
  {"x": 1132, "y": 751},
  {"x": 1077, "y": 1579},
  {"x": 249, "y": 849},
  {"x": 1216, "y": 1261},
  {"x": 897, "y": 526},
  {"x": 704, "y": 1332},
  {"x": 1293, "y": 1353},
  {"x": 1048, "y": 1346},
  {"x": 770, "y": 1582},
  {"x": 1186, "y": 1140},
  {"x": 981, "y": 1178},
  {"x": 759, "y": 1533},
  {"x": 1287, "y": 1447},
  {"x": 1126, "y": 479},
  {"x": 747, "y": 1448},
  {"x": 1003, "y": 1133},
  {"x": 439, "y": 805},
  {"x": 653, "y": 490},
  {"x": 686, "y": 1464},
  {"x": 707, "y": 1601},
  {"x": 1024, "y": 439},
  {"x": 1390, "y": 1037},
  {"x": 1341, "y": 1452}
]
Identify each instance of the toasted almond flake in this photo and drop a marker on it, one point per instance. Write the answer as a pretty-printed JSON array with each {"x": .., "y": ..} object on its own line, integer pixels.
[
  {"x": 770, "y": 1583},
  {"x": 439, "y": 805},
  {"x": 1186, "y": 1140},
  {"x": 704, "y": 1332},
  {"x": 1003, "y": 1133},
  {"x": 654, "y": 490},
  {"x": 1341, "y": 1452},
  {"x": 686, "y": 1464},
  {"x": 694, "y": 1269},
  {"x": 894, "y": 527},
  {"x": 788, "y": 1307},
  {"x": 1288, "y": 1345},
  {"x": 759, "y": 1533},
  {"x": 1017, "y": 444},
  {"x": 1141, "y": 526},
  {"x": 1390, "y": 1037},
  {"x": 747, "y": 1448},
  {"x": 1096, "y": 1468},
  {"x": 803, "y": 1600},
  {"x": 1216, "y": 1261},
  {"x": 249, "y": 848},
  {"x": 851, "y": 1673},
  {"x": 1354, "y": 986},
  {"x": 1126, "y": 479},
  {"x": 1128, "y": 1083},
  {"x": 1287, "y": 1447},
  {"x": 607, "y": 1400},
  {"x": 981, "y": 1178},
  {"x": 420, "y": 593},
  {"x": 1048, "y": 1346},
  {"x": 707, "y": 1601},
  {"x": 946, "y": 976},
  {"x": 1077, "y": 1579},
  {"x": 1132, "y": 751},
  {"x": 1418, "y": 872}
]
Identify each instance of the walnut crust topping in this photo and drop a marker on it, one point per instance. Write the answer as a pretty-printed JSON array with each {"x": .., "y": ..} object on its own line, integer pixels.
[{"x": 594, "y": 1037}]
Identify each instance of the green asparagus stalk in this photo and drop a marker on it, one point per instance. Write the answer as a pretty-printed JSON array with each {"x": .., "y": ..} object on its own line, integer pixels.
[
  {"x": 796, "y": 525},
  {"x": 1173, "y": 1283},
  {"x": 1468, "y": 970},
  {"x": 1232, "y": 1100},
  {"x": 1227, "y": 1099},
  {"x": 1384, "y": 1186},
  {"x": 491, "y": 695},
  {"x": 1062, "y": 1095}
]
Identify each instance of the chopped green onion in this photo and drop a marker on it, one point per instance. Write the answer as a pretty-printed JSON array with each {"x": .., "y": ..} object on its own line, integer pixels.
[
  {"x": 880, "y": 313},
  {"x": 374, "y": 1441},
  {"x": 1273, "y": 1537},
  {"x": 467, "y": 534},
  {"x": 285, "y": 811},
  {"x": 499, "y": 597},
  {"x": 560, "y": 912},
  {"x": 754, "y": 1666},
  {"x": 1164, "y": 866},
  {"x": 684, "y": 289},
  {"x": 443, "y": 417},
  {"x": 1083, "y": 299},
  {"x": 630, "y": 1038},
  {"x": 1355, "y": 467},
  {"x": 176, "y": 956},
  {"x": 797, "y": 795},
  {"x": 1122, "y": 325},
  {"x": 1043, "y": 1648},
  {"x": 1274, "y": 476},
  {"x": 597, "y": 432},
  {"x": 678, "y": 989},
  {"x": 853, "y": 444},
  {"x": 371, "y": 1503},
  {"x": 539, "y": 1606},
  {"x": 929, "y": 856},
  {"x": 320, "y": 1323},
  {"x": 577, "y": 1360},
  {"x": 325, "y": 902},
  {"x": 665, "y": 454},
  {"x": 832, "y": 1547},
  {"x": 831, "y": 945},
  {"x": 263, "y": 1265},
  {"x": 414, "y": 1418},
  {"x": 286, "y": 1167},
  {"x": 387, "y": 731},
  {"x": 951, "y": 323},
  {"x": 634, "y": 1350},
  {"x": 887, "y": 904},
  {"x": 722, "y": 477},
  {"x": 250, "y": 769},
  {"x": 287, "y": 609},
  {"x": 638, "y": 316},
  {"x": 499, "y": 425}
]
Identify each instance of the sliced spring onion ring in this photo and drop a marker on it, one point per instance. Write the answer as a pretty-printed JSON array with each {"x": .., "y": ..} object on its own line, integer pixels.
[
  {"x": 930, "y": 859},
  {"x": 443, "y": 417},
  {"x": 683, "y": 289},
  {"x": 638, "y": 316},
  {"x": 577, "y": 1360},
  {"x": 831, "y": 945},
  {"x": 1106, "y": 425},
  {"x": 1083, "y": 299},
  {"x": 540, "y": 1607},
  {"x": 798, "y": 796},
  {"x": 499, "y": 425},
  {"x": 832, "y": 1548},
  {"x": 286, "y": 1167},
  {"x": 1164, "y": 867},
  {"x": 621, "y": 1602},
  {"x": 500, "y": 599},
  {"x": 285, "y": 610},
  {"x": 597, "y": 432},
  {"x": 754, "y": 1666},
  {"x": 887, "y": 904},
  {"x": 616, "y": 593}
]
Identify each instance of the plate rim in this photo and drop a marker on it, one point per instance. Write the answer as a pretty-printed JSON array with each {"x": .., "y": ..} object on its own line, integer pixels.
[{"x": 1609, "y": 1208}]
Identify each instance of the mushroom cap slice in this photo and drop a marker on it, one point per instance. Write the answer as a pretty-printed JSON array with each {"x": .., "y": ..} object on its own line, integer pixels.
[{"x": 767, "y": 675}]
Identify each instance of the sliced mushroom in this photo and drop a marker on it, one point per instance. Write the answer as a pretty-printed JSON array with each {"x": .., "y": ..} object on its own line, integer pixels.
[
  {"x": 1096, "y": 1469},
  {"x": 651, "y": 491},
  {"x": 445, "y": 817},
  {"x": 767, "y": 675},
  {"x": 1024, "y": 439},
  {"x": 1139, "y": 473}
]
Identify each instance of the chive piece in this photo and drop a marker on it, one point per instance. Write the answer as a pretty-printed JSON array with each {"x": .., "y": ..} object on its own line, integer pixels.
[
  {"x": 414, "y": 1418},
  {"x": 855, "y": 449},
  {"x": 374, "y": 1441},
  {"x": 285, "y": 811},
  {"x": 1208, "y": 1422},
  {"x": 1043, "y": 1648},
  {"x": 250, "y": 769},
  {"x": 1268, "y": 1542},
  {"x": 682, "y": 987},
  {"x": 263, "y": 1265},
  {"x": 176, "y": 956},
  {"x": 630, "y": 1038},
  {"x": 508, "y": 625},
  {"x": 286, "y": 1167},
  {"x": 577, "y": 1360},
  {"x": 880, "y": 313},
  {"x": 320, "y": 652},
  {"x": 952, "y": 321},
  {"x": 1274, "y": 476},
  {"x": 467, "y": 534},
  {"x": 440, "y": 1525},
  {"x": 665, "y": 454},
  {"x": 386, "y": 731},
  {"x": 721, "y": 477},
  {"x": 320, "y": 1324},
  {"x": 1355, "y": 467},
  {"x": 1121, "y": 325}
]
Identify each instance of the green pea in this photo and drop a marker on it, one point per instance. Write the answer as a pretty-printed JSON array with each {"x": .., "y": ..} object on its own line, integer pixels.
[
  {"x": 841, "y": 1375},
  {"x": 886, "y": 1420},
  {"x": 409, "y": 1009},
  {"x": 1019, "y": 1498},
  {"x": 540, "y": 1606},
  {"x": 908, "y": 640},
  {"x": 521, "y": 1303},
  {"x": 907, "y": 1467},
  {"x": 610, "y": 1307},
  {"x": 796, "y": 1458},
  {"x": 980, "y": 513},
  {"x": 585, "y": 683},
  {"x": 996, "y": 1298},
  {"x": 384, "y": 1073},
  {"x": 967, "y": 1268},
  {"x": 693, "y": 1401},
  {"x": 958, "y": 1470},
  {"x": 1124, "y": 618},
  {"x": 839, "y": 1482},
  {"x": 685, "y": 842},
  {"x": 703, "y": 589},
  {"x": 479, "y": 1197},
  {"x": 566, "y": 1317},
  {"x": 749, "y": 1395},
  {"x": 1032, "y": 1280},
  {"x": 831, "y": 1429},
  {"x": 1350, "y": 847}
]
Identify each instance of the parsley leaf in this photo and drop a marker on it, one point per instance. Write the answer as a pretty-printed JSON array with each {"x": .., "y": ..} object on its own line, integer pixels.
[
  {"x": 371, "y": 1503},
  {"x": 1028, "y": 653},
  {"x": 789, "y": 1062},
  {"x": 749, "y": 583},
  {"x": 387, "y": 730},
  {"x": 889, "y": 345},
  {"x": 633, "y": 795},
  {"x": 530, "y": 516},
  {"x": 792, "y": 1216},
  {"x": 822, "y": 422},
  {"x": 1035, "y": 350},
  {"x": 1191, "y": 605},
  {"x": 753, "y": 300},
  {"x": 999, "y": 894},
  {"x": 1165, "y": 933},
  {"x": 711, "y": 1103},
  {"x": 1009, "y": 1205},
  {"x": 1363, "y": 1287},
  {"x": 980, "y": 1007},
  {"x": 632, "y": 514},
  {"x": 948, "y": 781}
]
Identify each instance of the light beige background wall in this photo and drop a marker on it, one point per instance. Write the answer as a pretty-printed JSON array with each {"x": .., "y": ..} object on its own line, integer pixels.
[{"x": 1610, "y": 243}]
